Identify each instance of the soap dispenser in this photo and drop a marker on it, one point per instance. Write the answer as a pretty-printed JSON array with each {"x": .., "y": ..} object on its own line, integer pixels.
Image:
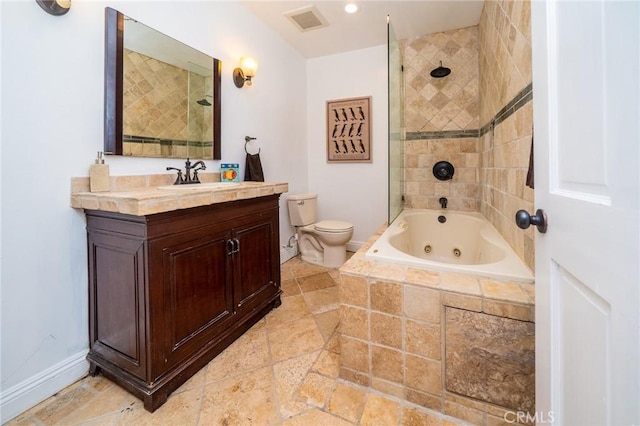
[{"x": 99, "y": 180}]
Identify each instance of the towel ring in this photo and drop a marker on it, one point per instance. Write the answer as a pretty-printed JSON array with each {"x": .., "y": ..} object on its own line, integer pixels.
[{"x": 248, "y": 139}]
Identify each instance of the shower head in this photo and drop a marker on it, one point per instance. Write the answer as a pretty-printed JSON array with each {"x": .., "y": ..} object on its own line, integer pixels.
[
  {"x": 204, "y": 101},
  {"x": 440, "y": 71}
]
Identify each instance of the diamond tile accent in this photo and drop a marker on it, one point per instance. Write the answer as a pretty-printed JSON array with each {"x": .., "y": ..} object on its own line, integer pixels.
[{"x": 458, "y": 50}]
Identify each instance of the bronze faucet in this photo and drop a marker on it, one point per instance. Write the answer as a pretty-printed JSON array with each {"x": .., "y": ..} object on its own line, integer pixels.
[{"x": 189, "y": 168}]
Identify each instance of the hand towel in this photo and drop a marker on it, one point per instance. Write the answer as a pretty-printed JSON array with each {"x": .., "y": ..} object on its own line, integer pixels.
[
  {"x": 253, "y": 168},
  {"x": 530, "y": 179}
]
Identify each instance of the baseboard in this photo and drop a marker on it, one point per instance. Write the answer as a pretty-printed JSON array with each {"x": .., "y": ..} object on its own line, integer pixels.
[
  {"x": 287, "y": 253},
  {"x": 354, "y": 246},
  {"x": 19, "y": 398}
]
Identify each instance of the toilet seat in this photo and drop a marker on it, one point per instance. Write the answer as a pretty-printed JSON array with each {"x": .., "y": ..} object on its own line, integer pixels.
[{"x": 333, "y": 226}]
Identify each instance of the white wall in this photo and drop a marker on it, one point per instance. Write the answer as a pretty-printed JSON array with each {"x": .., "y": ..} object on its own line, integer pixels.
[
  {"x": 353, "y": 192},
  {"x": 51, "y": 128}
]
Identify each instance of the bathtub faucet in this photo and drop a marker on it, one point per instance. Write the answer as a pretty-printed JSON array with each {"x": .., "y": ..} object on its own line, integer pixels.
[{"x": 443, "y": 202}]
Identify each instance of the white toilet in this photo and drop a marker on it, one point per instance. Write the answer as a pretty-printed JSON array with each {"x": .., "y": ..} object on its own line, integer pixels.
[{"x": 323, "y": 243}]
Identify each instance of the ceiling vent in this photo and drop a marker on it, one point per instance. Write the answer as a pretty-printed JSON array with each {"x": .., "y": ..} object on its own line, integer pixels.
[{"x": 306, "y": 18}]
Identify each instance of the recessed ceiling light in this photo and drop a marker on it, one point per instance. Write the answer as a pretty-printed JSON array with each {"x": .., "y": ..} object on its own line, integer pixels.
[{"x": 351, "y": 8}]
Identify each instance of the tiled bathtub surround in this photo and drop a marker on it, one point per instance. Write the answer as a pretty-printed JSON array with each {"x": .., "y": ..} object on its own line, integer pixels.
[
  {"x": 491, "y": 152},
  {"x": 393, "y": 334}
]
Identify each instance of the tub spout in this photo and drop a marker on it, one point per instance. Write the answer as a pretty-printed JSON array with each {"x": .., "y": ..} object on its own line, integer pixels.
[{"x": 443, "y": 202}]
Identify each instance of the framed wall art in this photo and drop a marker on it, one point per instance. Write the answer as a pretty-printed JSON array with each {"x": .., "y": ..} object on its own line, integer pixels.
[{"x": 349, "y": 130}]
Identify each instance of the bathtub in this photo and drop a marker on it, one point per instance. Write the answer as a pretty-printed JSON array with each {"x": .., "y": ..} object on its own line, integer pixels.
[{"x": 449, "y": 241}]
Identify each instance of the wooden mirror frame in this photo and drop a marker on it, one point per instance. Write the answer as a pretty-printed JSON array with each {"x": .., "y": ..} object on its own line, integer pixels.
[{"x": 113, "y": 88}]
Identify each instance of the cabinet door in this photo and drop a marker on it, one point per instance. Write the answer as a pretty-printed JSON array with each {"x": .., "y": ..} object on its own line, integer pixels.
[
  {"x": 195, "y": 288},
  {"x": 116, "y": 299},
  {"x": 257, "y": 262}
]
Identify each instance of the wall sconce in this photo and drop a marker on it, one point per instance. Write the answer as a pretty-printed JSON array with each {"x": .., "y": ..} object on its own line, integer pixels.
[
  {"x": 245, "y": 72},
  {"x": 55, "y": 7}
]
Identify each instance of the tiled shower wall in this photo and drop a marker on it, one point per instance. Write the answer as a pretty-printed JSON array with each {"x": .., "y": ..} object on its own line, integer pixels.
[
  {"x": 490, "y": 82},
  {"x": 141, "y": 96},
  {"x": 505, "y": 72},
  {"x": 441, "y": 119},
  {"x": 158, "y": 122}
]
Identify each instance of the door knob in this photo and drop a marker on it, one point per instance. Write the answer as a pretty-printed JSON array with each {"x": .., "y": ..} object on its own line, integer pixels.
[{"x": 524, "y": 220}]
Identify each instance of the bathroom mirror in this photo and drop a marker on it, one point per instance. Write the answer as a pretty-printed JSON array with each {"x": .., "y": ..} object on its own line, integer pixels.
[{"x": 162, "y": 97}]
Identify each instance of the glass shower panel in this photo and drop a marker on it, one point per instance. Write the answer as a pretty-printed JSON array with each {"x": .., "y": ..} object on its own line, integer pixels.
[
  {"x": 396, "y": 124},
  {"x": 200, "y": 112}
]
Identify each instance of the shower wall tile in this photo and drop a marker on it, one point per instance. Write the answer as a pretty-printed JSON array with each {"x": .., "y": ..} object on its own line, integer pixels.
[
  {"x": 423, "y": 190},
  {"x": 142, "y": 98},
  {"x": 505, "y": 73},
  {"x": 159, "y": 111},
  {"x": 449, "y": 103}
]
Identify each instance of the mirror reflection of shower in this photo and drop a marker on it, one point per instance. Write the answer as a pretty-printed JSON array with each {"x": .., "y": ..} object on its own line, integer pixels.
[
  {"x": 204, "y": 101},
  {"x": 201, "y": 104}
]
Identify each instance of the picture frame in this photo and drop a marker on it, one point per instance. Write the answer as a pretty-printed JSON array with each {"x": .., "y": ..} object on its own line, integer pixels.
[{"x": 349, "y": 130}]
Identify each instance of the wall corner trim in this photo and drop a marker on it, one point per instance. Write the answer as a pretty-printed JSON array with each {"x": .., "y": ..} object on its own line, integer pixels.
[{"x": 28, "y": 393}]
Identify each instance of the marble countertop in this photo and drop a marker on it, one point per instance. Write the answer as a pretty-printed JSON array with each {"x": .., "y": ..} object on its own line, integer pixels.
[{"x": 150, "y": 194}]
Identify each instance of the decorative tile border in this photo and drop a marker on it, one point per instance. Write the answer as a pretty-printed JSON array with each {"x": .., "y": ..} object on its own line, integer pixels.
[
  {"x": 165, "y": 142},
  {"x": 516, "y": 103}
]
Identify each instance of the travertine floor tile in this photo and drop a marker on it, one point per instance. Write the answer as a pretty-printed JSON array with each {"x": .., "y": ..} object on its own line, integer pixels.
[
  {"x": 292, "y": 309},
  {"x": 294, "y": 338},
  {"x": 324, "y": 300},
  {"x": 245, "y": 399},
  {"x": 347, "y": 402},
  {"x": 315, "y": 389},
  {"x": 380, "y": 411},
  {"x": 302, "y": 269},
  {"x": 316, "y": 417},
  {"x": 327, "y": 364},
  {"x": 288, "y": 376},
  {"x": 64, "y": 404},
  {"x": 179, "y": 409},
  {"x": 316, "y": 282},
  {"x": 415, "y": 417},
  {"x": 328, "y": 322},
  {"x": 249, "y": 352},
  {"x": 289, "y": 287},
  {"x": 197, "y": 381},
  {"x": 110, "y": 401}
]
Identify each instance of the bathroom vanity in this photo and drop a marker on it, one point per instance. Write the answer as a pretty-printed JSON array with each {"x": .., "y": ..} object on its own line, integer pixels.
[{"x": 169, "y": 290}]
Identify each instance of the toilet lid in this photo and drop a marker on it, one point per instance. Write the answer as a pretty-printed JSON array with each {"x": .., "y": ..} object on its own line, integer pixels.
[{"x": 333, "y": 226}]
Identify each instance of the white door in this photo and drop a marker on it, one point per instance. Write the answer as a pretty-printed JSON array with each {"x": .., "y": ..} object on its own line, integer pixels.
[{"x": 586, "y": 90}]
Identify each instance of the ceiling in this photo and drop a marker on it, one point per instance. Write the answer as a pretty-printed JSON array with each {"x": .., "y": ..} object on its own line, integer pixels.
[{"x": 367, "y": 27}]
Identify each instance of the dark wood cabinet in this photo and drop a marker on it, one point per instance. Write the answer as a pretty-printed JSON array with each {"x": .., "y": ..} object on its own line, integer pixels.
[{"x": 169, "y": 291}]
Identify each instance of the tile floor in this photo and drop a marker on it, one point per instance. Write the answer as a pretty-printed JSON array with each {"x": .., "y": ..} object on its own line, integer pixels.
[{"x": 283, "y": 371}]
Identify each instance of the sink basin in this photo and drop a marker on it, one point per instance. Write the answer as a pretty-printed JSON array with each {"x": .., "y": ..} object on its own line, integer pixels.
[{"x": 200, "y": 186}]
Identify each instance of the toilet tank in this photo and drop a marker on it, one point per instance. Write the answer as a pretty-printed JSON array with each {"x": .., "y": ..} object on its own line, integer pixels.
[{"x": 302, "y": 209}]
